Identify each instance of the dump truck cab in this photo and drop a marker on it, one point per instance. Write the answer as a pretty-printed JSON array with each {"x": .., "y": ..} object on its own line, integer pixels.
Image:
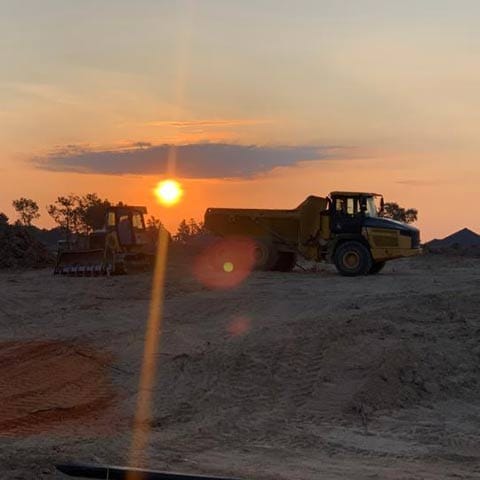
[
  {"x": 349, "y": 209},
  {"x": 355, "y": 220}
]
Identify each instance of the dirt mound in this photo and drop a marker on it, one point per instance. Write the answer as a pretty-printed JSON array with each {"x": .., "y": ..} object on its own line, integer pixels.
[
  {"x": 310, "y": 377},
  {"x": 463, "y": 241},
  {"x": 455, "y": 251},
  {"x": 345, "y": 367},
  {"x": 44, "y": 385},
  {"x": 18, "y": 248}
]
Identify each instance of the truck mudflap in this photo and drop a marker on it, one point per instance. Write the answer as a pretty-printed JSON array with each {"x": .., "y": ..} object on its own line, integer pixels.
[{"x": 82, "y": 263}]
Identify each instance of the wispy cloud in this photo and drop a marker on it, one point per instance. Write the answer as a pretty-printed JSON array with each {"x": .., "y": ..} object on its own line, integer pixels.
[
  {"x": 203, "y": 160},
  {"x": 205, "y": 123},
  {"x": 419, "y": 183}
]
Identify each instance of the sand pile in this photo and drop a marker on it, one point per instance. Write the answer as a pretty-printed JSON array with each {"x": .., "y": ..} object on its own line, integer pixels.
[
  {"x": 33, "y": 400},
  {"x": 18, "y": 248}
]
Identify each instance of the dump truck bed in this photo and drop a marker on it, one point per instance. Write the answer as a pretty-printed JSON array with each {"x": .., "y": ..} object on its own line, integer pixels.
[
  {"x": 288, "y": 226},
  {"x": 253, "y": 223}
]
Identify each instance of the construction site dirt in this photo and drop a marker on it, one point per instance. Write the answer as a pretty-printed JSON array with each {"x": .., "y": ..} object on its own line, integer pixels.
[{"x": 300, "y": 375}]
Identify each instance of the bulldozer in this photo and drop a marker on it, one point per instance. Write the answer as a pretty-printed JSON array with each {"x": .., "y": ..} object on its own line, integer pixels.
[
  {"x": 123, "y": 245},
  {"x": 344, "y": 228}
]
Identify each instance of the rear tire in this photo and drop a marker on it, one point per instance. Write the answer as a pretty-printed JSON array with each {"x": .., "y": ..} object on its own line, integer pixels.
[
  {"x": 266, "y": 256},
  {"x": 352, "y": 259}
]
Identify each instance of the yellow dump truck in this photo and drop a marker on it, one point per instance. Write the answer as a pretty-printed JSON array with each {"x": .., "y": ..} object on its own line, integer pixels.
[{"x": 344, "y": 228}]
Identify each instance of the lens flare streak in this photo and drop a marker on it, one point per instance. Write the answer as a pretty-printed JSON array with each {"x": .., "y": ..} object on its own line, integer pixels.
[{"x": 141, "y": 427}]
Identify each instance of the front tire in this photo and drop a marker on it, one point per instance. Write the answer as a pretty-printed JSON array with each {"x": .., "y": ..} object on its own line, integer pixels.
[{"x": 353, "y": 258}]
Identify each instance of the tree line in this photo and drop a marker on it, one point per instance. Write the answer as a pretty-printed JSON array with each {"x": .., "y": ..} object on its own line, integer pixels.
[{"x": 80, "y": 215}]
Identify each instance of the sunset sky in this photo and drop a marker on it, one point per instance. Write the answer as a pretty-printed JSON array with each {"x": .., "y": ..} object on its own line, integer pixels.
[{"x": 266, "y": 101}]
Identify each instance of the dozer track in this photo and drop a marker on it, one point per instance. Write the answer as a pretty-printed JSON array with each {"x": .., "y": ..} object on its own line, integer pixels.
[{"x": 80, "y": 263}]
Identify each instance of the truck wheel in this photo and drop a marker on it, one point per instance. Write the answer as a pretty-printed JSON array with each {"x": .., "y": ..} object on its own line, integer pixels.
[
  {"x": 266, "y": 256},
  {"x": 353, "y": 258},
  {"x": 376, "y": 267},
  {"x": 286, "y": 262}
]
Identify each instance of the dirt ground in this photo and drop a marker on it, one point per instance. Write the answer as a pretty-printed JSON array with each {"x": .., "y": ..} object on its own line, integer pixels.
[{"x": 301, "y": 375}]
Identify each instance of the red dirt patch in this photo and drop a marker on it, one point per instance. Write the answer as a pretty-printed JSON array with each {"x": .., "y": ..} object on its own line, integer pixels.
[{"x": 47, "y": 385}]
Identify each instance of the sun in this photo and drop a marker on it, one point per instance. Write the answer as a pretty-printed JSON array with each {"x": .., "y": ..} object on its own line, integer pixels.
[{"x": 168, "y": 192}]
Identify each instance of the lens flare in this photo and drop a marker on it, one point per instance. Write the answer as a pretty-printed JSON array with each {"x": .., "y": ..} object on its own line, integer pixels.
[
  {"x": 225, "y": 263},
  {"x": 239, "y": 326},
  {"x": 168, "y": 192},
  {"x": 228, "y": 267}
]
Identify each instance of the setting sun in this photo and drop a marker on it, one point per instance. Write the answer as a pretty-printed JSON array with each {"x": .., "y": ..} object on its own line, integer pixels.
[{"x": 168, "y": 192}]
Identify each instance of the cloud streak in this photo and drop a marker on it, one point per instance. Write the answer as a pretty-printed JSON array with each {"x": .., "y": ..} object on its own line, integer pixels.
[
  {"x": 202, "y": 160},
  {"x": 204, "y": 123}
]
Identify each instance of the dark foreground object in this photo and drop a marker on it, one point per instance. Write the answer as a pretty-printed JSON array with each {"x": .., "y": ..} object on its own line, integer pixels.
[{"x": 124, "y": 473}]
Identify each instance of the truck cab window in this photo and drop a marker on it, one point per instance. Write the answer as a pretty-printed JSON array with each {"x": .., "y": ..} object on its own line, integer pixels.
[
  {"x": 124, "y": 230},
  {"x": 351, "y": 210},
  {"x": 111, "y": 219},
  {"x": 347, "y": 206},
  {"x": 137, "y": 221}
]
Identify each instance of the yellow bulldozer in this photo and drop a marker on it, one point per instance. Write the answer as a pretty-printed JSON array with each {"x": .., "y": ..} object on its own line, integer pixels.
[
  {"x": 344, "y": 228},
  {"x": 121, "y": 246}
]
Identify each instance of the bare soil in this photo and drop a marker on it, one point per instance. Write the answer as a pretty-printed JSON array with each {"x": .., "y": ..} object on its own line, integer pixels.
[{"x": 300, "y": 375}]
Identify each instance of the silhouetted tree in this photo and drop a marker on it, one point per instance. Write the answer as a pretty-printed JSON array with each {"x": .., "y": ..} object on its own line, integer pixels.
[
  {"x": 396, "y": 212},
  {"x": 188, "y": 230},
  {"x": 64, "y": 212},
  {"x": 3, "y": 220},
  {"x": 27, "y": 210},
  {"x": 91, "y": 212},
  {"x": 153, "y": 227},
  {"x": 79, "y": 214},
  {"x": 183, "y": 232},
  {"x": 153, "y": 223}
]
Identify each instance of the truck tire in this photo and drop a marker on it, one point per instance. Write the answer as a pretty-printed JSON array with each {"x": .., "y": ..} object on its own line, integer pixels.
[
  {"x": 352, "y": 258},
  {"x": 266, "y": 256},
  {"x": 286, "y": 262},
  {"x": 376, "y": 268}
]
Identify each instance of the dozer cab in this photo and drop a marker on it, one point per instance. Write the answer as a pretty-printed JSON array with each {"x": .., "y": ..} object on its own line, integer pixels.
[
  {"x": 121, "y": 246},
  {"x": 345, "y": 228}
]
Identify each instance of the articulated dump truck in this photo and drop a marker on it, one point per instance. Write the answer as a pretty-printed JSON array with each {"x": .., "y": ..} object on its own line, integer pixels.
[{"x": 345, "y": 228}]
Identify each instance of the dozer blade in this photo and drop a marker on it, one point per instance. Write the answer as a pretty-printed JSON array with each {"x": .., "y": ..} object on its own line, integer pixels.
[{"x": 81, "y": 263}]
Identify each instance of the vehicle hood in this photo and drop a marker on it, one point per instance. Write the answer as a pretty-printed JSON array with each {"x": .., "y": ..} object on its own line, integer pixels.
[{"x": 388, "y": 223}]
